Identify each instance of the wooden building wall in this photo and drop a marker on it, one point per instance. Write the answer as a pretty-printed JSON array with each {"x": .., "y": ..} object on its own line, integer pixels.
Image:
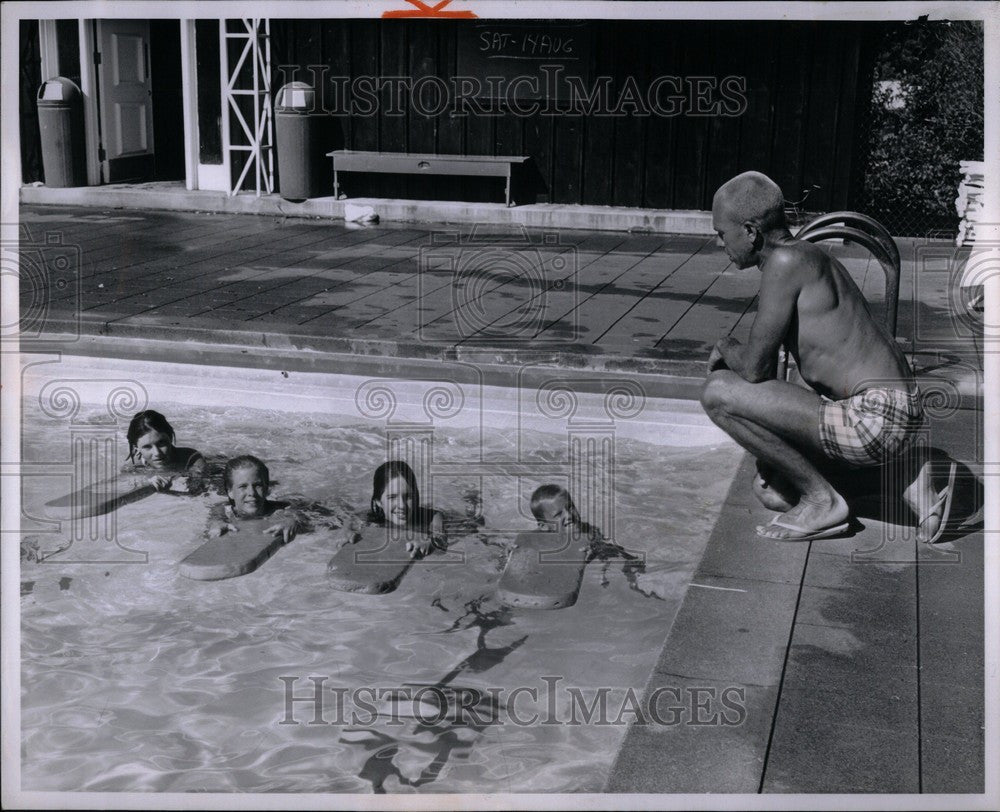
[{"x": 805, "y": 83}]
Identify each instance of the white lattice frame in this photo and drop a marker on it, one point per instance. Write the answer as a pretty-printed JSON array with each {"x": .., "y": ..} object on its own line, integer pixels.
[{"x": 261, "y": 135}]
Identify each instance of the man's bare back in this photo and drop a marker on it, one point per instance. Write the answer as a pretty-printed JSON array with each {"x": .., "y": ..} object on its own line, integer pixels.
[{"x": 838, "y": 346}]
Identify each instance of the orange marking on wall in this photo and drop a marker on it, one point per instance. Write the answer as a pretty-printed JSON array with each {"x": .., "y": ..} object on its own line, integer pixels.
[{"x": 422, "y": 10}]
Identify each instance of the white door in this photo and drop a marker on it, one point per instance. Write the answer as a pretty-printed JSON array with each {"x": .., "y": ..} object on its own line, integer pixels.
[{"x": 126, "y": 109}]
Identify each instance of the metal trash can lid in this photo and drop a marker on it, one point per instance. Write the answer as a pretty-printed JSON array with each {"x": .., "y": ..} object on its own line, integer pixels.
[
  {"x": 296, "y": 97},
  {"x": 58, "y": 90}
]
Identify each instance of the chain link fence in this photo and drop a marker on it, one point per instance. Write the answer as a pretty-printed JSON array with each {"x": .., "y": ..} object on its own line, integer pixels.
[{"x": 925, "y": 116}]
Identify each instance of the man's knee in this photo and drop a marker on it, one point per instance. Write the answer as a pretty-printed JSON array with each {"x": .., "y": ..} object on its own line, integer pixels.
[{"x": 717, "y": 393}]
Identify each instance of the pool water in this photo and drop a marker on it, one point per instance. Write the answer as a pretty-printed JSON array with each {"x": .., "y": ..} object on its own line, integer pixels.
[{"x": 134, "y": 678}]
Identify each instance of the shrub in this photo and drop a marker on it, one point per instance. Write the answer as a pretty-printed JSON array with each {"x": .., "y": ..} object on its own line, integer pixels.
[{"x": 926, "y": 115}]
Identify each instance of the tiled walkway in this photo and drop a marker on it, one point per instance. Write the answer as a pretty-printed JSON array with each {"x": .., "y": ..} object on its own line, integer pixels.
[
  {"x": 428, "y": 291},
  {"x": 858, "y": 661}
]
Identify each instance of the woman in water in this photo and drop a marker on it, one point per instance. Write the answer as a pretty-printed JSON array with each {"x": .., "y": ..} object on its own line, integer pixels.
[
  {"x": 152, "y": 449},
  {"x": 247, "y": 483},
  {"x": 395, "y": 504}
]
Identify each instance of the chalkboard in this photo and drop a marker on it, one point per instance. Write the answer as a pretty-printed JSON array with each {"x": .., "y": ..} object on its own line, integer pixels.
[{"x": 525, "y": 59}]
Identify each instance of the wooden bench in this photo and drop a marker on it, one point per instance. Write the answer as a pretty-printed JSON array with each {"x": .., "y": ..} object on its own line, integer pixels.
[{"x": 410, "y": 163}]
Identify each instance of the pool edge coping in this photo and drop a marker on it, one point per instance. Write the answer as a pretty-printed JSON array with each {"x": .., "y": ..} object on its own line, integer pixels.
[{"x": 672, "y": 378}]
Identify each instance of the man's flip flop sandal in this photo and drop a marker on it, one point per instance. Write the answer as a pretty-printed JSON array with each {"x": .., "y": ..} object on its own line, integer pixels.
[
  {"x": 803, "y": 533},
  {"x": 943, "y": 503}
]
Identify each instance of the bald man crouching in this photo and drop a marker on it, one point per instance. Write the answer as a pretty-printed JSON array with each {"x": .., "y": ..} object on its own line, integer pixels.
[{"x": 864, "y": 406}]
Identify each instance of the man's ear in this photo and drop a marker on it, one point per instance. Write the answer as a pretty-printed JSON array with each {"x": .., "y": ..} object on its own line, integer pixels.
[{"x": 754, "y": 234}]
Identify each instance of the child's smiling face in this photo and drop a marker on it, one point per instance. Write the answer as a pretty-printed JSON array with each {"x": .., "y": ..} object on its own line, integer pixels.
[
  {"x": 397, "y": 502},
  {"x": 248, "y": 491},
  {"x": 557, "y": 514},
  {"x": 155, "y": 448}
]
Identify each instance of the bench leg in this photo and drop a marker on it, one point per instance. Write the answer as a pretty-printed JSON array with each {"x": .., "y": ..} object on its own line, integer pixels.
[
  {"x": 336, "y": 186},
  {"x": 508, "y": 186}
]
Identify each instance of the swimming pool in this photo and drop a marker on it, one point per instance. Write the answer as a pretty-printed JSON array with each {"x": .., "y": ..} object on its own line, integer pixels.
[{"x": 134, "y": 678}]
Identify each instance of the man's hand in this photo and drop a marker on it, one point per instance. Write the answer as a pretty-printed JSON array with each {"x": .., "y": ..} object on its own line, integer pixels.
[{"x": 717, "y": 360}]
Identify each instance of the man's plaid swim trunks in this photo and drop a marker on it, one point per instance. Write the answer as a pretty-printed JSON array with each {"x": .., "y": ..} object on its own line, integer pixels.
[{"x": 870, "y": 427}]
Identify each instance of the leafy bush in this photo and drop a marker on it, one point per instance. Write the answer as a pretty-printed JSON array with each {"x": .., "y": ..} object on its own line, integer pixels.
[{"x": 926, "y": 115}]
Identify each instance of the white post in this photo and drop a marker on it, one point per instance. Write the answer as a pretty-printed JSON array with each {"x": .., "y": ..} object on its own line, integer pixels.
[
  {"x": 48, "y": 49},
  {"x": 189, "y": 78},
  {"x": 269, "y": 121},
  {"x": 255, "y": 55},
  {"x": 88, "y": 85},
  {"x": 224, "y": 82}
]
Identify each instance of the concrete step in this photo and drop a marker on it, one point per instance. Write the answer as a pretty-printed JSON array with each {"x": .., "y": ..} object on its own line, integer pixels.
[{"x": 174, "y": 197}]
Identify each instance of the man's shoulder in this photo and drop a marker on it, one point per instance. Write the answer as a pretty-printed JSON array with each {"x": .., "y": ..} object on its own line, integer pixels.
[{"x": 798, "y": 259}]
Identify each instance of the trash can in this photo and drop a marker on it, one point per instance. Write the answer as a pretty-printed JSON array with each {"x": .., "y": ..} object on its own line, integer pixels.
[
  {"x": 301, "y": 159},
  {"x": 60, "y": 123}
]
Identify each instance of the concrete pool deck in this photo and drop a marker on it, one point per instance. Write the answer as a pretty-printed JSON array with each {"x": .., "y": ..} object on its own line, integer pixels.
[
  {"x": 861, "y": 660},
  {"x": 646, "y": 306}
]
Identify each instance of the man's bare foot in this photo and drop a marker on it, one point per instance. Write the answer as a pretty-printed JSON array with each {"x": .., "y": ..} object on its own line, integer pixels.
[{"x": 809, "y": 520}]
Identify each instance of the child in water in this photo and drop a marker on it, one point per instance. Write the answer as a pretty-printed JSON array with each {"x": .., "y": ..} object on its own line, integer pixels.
[
  {"x": 553, "y": 507},
  {"x": 151, "y": 447},
  {"x": 247, "y": 482},
  {"x": 395, "y": 503}
]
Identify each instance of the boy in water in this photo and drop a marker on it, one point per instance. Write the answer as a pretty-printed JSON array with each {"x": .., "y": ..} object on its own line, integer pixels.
[
  {"x": 247, "y": 483},
  {"x": 553, "y": 507}
]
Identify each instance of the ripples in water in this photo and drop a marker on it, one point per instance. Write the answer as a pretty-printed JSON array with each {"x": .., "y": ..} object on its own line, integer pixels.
[{"x": 136, "y": 679}]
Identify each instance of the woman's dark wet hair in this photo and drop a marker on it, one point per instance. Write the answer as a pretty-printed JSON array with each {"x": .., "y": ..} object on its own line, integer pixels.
[
  {"x": 243, "y": 461},
  {"x": 384, "y": 474},
  {"x": 143, "y": 423}
]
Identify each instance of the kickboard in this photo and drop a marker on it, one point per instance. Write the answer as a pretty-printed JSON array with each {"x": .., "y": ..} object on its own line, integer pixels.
[
  {"x": 373, "y": 565},
  {"x": 96, "y": 499},
  {"x": 544, "y": 571},
  {"x": 232, "y": 554}
]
